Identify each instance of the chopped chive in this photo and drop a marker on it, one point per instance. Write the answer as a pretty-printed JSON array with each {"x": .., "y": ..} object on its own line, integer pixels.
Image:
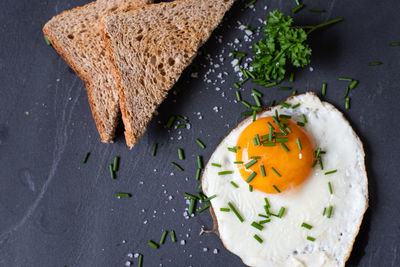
[
  {"x": 182, "y": 126},
  {"x": 330, "y": 211},
  {"x": 225, "y": 172},
  {"x": 269, "y": 144},
  {"x": 347, "y": 92},
  {"x": 254, "y": 115},
  {"x": 259, "y": 239},
  {"x": 281, "y": 212},
  {"x": 251, "y": 177},
  {"x": 225, "y": 209},
  {"x": 238, "y": 96},
  {"x": 270, "y": 84},
  {"x": 324, "y": 212},
  {"x": 176, "y": 165},
  {"x": 119, "y": 195},
  {"x": 294, "y": 92},
  {"x": 330, "y": 188},
  {"x": 238, "y": 162},
  {"x": 200, "y": 186},
  {"x": 154, "y": 150},
  {"x": 190, "y": 196},
  {"x": 247, "y": 71},
  {"x": 323, "y": 89},
  {"x": 255, "y": 157},
  {"x": 265, "y": 221},
  {"x": 276, "y": 188},
  {"x": 272, "y": 103},
  {"x": 247, "y": 113},
  {"x": 266, "y": 208},
  {"x": 296, "y": 106},
  {"x": 304, "y": 118},
  {"x": 285, "y": 147},
  {"x": 216, "y": 165},
  {"x": 140, "y": 262},
  {"x": 256, "y": 92},
  {"x": 256, "y": 108},
  {"x": 204, "y": 208},
  {"x": 250, "y": 188},
  {"x": 257, "y": 226},
  {"x": 347, "y": 103},
  {"x": 317, "y": 10},
  {"x": 353, "y": 84},
  {"x": 375, "y": 63},
  {"x": 246, "y": 104},
  {"x": 250, "y": 163},
  {"x": 163, "y": 236},
  {"x": 275, "y": 171},
  {"x": 153, "y": 244},
  {"x": 200, "y": 162},
  {"x": 192, "y": 205},
  {"x": 209, "y": 198},
  {"x": 317, "y": 152},
  {"x": 86, "y": 157},
  {"x": 285, "y": 88},
  {"x": 112, "y": 173},
  {"x": 301, "y": 124},
  {"x": 345, "y": 79},
  {"x": 236, "y": 85},
  {"x": 181, "y": 118},
  {"x": 249, "y": 4},
  {"x": 283, "y": 130},
  {"x": 281, "y": 139},
  {"x": 234, "y": 184},
  {"x": 306, "y": 225},
  {"x": 47, "y": 40},
  {"x": 395, "y": 44},
  {"x": 201, "y": 144},
  {"x": 263, "y": 171},
  {"x": 255, "y": 141},
  {"x": 270, "y": 125},
  {"x": 298, "y": 143},
  {"x": 262, "y": 215},
  {"x": 116, "y": 163},
  {"x": 198, "y": 174},
  {"x": 267, "y": 202},
  {"x": 320, "y": 164},
  {"x": 298, "y": 2},
  {"x": 201, "y": 196},
  {"x": 257, "y": 100},
  {"x": 284, "y": 116},
  {"x": 297, "y": 8},
  {"x": 173, "y": 236},
  {"x": 291, "y": 78},
  {"x": 180, "y": 154},
  {"x": 233, "y": 149},
  {"x": 311, "y": 238},
  {"x": 236, "y": 212},
  {"x": 170, "y": 121},
  {"x": 330, "y": 172}
]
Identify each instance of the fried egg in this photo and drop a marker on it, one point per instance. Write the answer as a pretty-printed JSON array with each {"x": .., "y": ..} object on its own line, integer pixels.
[{"x": 291, "y": 187}]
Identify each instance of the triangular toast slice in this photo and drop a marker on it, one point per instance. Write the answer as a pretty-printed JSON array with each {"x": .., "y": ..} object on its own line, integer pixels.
[
  {"x": 76, "y": 36},
  {"x": 150, "y": 47}
]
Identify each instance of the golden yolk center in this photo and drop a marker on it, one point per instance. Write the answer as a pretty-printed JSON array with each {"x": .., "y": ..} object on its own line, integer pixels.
[{"x": 275, "y": 164}]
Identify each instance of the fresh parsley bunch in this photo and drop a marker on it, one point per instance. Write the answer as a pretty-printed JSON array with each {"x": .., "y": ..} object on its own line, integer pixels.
[{"x": 284, "y": 43}]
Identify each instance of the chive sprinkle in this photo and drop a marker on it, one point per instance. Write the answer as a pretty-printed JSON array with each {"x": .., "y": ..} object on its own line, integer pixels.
[
  {"x": 256, "y": 92},
  {"x": 216, "y": 165},
  {"x": 275, "y": 171},
  {"x": 353, "y": 84},
  {"x": 304, "y": 118},
  {"x": 254, "y": 115},
  {"x": 163, "y": 236},
  {"x": 112, "y": 173},
  {"x": 347, "y": 103},
  {"x": 259, "y": 239},
  {"x": 276, "y": 188},
  {"x": 285, "y": 88},
  {"x": 116, "y": 164},
  {"x": 251, "y": 177},
  {"x": 182, "y": 126},
  {"x": 247, "y": 113},
  {"x": 395, "y": 44},
  {"x": 250, "y": 188},
  {"x": 140, "y": 263},
  {"x": 291, "y": 78},
  {"x": 201, "y": 144},
  {"x": 330, "y": 172},
  {"x": 250, "y": 163},
  {"x": 298, "y": 143},
  {"x": 180, "y": 154},
  {"x": 347, "y": 92},
  {"x": 317, "y": 10},
  {"x": 236, "y": 212},
  {"x": 324, "y": 212},
  {"x": 236, "y": 85},
  {"x": 86, "y": 157},
  {"x": 170, "y": 121},
  {"x": 47, "y": 40},
  {"x": 249, "y": 4},
  {"x": 294, "y": 92},
  {"x": 263, "y": 171},
  {"x": 264, "y": 221},
  {"x": 345, "y": 79},
  {"x": 225, "y": 209},
  {"x": 198, "y": 174},
  {"x": 153, "y": 244},
  {"x": 119, "y": 195},
  {"x": 181, "y": 118},
  {"x": 320, "y": 164},
  {"x": 201, "y": 196},
  {"x": 297, "y": 8},
  {"x": 285, "y": 147},
  {"x": 176, "y": 165},
  {"x": 311, "y": 238},
  {"x": 225, "y": 172},
  {"x": 281, "y": 139},
  {"x": 323, "y": 89},
  {"x": 267, "y": 202},
  {"x": 246, "y": 104},
  {"x": 192, "y": 205},
  {"x": 209, "y": 198},
  {"x": 200, "y": 162},
  {"x": 285, "y": 116},
  {"x": 204, "y": 208},
  {"x": 330, "y": 211},
  {"x": 317, "y": 152},
  {"x": 301, "y": 124},
  {"x": 154, "y": 150},
  {"x": 257, "y": 100},
  {"x": 330, "y": 187},
  {"x": 269, "y": 144},
  {"x": 233, "y": 149},
  {"x": 262, "y": 215},
  {"x": 255, "y": 157},
  {"x": 272, "y": 103},
  {"x": 306, "y": 225},
  {"x": 190, "y": 196},
  {"x": 257, "y": 225},
  {"x": 256, "y": 108},
  {"x": 375, "y": 63},
  {"x": 238, "y": 96},
  {"x": 296, "y": 106},
  {"x": 238, "y": 162},
  {"x": 173, "y": 236}
]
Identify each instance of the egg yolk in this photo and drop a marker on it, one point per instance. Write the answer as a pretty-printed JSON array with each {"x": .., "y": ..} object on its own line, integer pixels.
[{"x": 272, "y": 166}]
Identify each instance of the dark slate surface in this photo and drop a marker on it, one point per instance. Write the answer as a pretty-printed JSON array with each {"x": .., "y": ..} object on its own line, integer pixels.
[{"x": 55, "y": 211}]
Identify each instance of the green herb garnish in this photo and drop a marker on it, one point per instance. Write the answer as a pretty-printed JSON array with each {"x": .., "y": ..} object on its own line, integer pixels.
[
  {"x": 306, "y": 225},
  {"x": 257, "y": 226},
  {"x": 310, "y": 238},
  {"x": 176, "y": 165},
  {"x": 153, "y": 244},
  {"x": 154, "y": 152},
  {"x": 225, "y": 172},
  {"x": 173, "y": 236},
  {"x": 201, "y": 144},
  {"x": 86, "y": 157},
  {"x": 235, "y": 211},
  {"x": 259, "y": 239},
  {"x": 163, "y": 236},
  {"x": 180, "y": 154}
]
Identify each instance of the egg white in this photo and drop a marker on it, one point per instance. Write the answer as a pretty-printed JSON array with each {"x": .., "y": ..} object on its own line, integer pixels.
[{"x": 285, "y": 241}]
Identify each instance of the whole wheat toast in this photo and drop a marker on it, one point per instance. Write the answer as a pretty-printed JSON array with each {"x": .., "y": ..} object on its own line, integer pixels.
[
  {"x": 149, "y": 49},
  {"x": 77, "y": 38}
]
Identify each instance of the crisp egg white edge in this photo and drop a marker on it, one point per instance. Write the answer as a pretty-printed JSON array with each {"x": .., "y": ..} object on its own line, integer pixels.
[{"x": 308, "y": 101}]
